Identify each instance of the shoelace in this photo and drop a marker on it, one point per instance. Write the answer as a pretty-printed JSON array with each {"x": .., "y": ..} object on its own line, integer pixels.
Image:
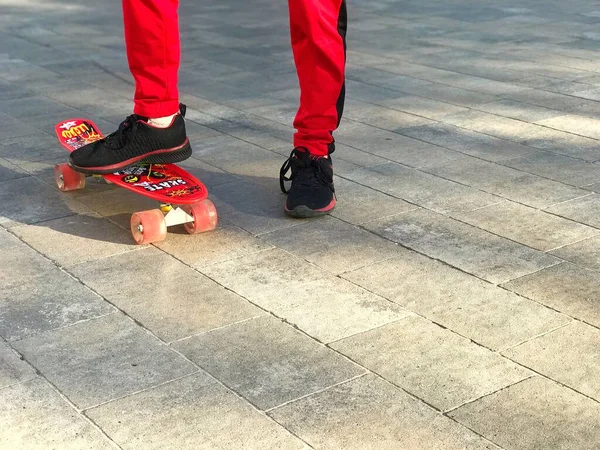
[
  {"x": 307, "y": 175},
  {"x": 118, "y": 139}
]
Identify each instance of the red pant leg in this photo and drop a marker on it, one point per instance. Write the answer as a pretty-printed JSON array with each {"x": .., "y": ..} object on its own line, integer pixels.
[
  {"x": 318, "y": 30},
  {"x": 153, "y": 51}
]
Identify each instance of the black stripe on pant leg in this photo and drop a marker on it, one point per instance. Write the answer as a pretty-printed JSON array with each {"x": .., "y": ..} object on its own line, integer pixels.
[{"x": 342, "y": 27}]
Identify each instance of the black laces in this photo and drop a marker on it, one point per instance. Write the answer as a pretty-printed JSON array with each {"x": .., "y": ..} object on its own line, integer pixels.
[
  {"x": 118, "y": 139},
  {"x": 305, "y": 170}
]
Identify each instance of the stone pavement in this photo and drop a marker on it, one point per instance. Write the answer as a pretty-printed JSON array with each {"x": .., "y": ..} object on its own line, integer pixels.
[{"x": 452, "y": 301}]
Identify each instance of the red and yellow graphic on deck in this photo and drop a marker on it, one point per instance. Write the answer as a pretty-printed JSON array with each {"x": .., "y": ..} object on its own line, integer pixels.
[{"x": 166, "y": 183}]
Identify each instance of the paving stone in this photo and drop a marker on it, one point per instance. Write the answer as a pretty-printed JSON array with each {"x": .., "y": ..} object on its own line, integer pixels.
[
  {"x": 9, "y": 171},
  {"x": 469, "y": 142},
  {"x": 182, "y": 302},
  {"x": 26, "y": 109},
  {"x": 527, "y": 134},
  {"x": 38, "y": 419},
  {"x": 323, "y": 305},
  {"x": 9, "y": 91},
  {"x": 293, "y": 366},
  {"x": 509, "y": 183},
  {"x": 568, "y": 355},
  {"x": 422, "y": 189},
  {"x": 584, "y": 210},
  {"x": 488, "y": 315},
  {"x": 430, "y": 362},
  {"x": 102, "y": 359},
  {"x": 350, "y": 154},
  {"x": 565, "y": 287},
  {"x": 580, "y": 125},
  {"x": 369, "y": 413},
  {"x": 250, "y": 163},
  {"x": 423, "y": 107},
  {"x": 387, "y": 118},
  {"x": 394, "y": 147},
  {"x": 12, "y": 369},
  {"x": 27, "y": 200},
  {"x": 12, "y": 127},
  {"x": 222, "y": 244},
  {"x": 112, "y": 202},
  {"x": 519, "y": 111},
  {"x": 30, "y": 148},
  {"x": 333, "y": 245},
  {"x": 457, "y": 80},
  {"x": 42, "y": 297},
  {"x": 369, "y": 93},
  {"x": 557, "y": 167},
  {"x": 383, "y": 78},
  {"x": 192, "y": 413},
  {"x": 535, "y": 414},
  {"x": 585, "y": 253},
  {"x": 62, "y": 240},
  {"x": 251, "y": 207},
  {"x": 528, "y": 226},
  {"x": 452, "y": 95},
  {"x": 468, "y": 248},
  {"x": 358, "y": 204}
]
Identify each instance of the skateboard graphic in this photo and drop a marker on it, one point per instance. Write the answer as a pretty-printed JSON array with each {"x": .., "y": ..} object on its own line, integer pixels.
[{"x": 182, "y": 197}]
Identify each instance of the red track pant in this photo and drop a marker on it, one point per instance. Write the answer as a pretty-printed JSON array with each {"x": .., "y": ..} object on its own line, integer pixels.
[{"x": 318, "y": 31}]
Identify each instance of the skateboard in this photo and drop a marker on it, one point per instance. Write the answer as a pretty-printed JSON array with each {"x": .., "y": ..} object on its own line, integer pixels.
[{"x": 183, "y": 199}]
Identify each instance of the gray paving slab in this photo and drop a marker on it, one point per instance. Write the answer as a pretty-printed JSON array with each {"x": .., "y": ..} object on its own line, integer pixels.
[
  {"x": 430, "y": 362},
  {"x": 463, "y": 246},
  {"x": 38, "y": 418},
  {"x": 565, "y": 287},
  {"x": 293, "y": 366},
  {"x": 226, "y": 242},
  {"x": 519, "y": 417},
  {"x": 359, "y": 204},
  {"x": 103, "y": 359},
  {"x": 43, "y": 299},
  {"x": 27, "y": 200},
  {"x": 519, "y": 111},
  {"x": 62, "y": 240},
  {"x": 532, "y": 135},
  {"x": 583, "y": 210},
  {"x": 192, "y": 413},
  {"x": 557, "y": 167},
  {"x": 509, "y": 183},
  {"x": 180, "y": 303},
  {"x": 469, "y": 142},
  {"x": 568, "y": 355},
  {"x": 9, "y": 171},
  {"x": 323, "y": 305},
  {"x": 30, "y": 148},
  {"x": 484, "y": 313},
  {"x": 333, "y": 245},
  {"x": 370, "y": 413},
  {"x": 251, "y": 207},
  {"x": 585, "y": 253},
  {"x": 422, "y": 189},
  {"x": 13, "y": 369},
  {"x": 528, "y": 226}
]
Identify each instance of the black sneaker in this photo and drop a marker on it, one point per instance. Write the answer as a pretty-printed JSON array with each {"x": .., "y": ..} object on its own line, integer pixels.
[
  {"x": 312, "y": 193},
  {"x": 134, "y": 142}
]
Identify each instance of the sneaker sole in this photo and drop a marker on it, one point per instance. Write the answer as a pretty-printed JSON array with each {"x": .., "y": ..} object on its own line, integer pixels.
[
  {"x": 305, "y": 212},
  {"x": 168, "y": 156}
]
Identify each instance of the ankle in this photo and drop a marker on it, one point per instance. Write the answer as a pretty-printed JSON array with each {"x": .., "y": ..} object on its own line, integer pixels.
[{"x": 162, "y": 122}]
